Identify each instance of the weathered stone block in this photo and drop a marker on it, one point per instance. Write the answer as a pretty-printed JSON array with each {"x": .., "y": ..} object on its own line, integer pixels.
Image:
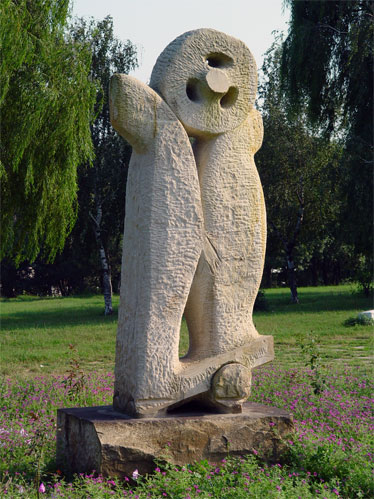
[
  {"x": 101, "y": 439},
  {"x": 368, "y": 314}
]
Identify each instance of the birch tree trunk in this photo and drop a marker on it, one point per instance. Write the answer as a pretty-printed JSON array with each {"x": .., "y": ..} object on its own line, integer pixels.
[{"x": 105, "y": 267}]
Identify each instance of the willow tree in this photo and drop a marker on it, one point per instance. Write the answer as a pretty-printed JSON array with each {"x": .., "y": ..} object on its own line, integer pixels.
[
  {"x": 327, "y": 69},
  {"x": 47, "y": 106},
  {"x": 299, "y": 171},
  {"x": 102, "y": 187}
]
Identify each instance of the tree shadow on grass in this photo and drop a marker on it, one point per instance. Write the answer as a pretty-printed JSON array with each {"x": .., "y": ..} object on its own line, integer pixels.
[
  {"x": 58, "y": 317},
  {"x": 58, "y": 313},
  {"x": 315, "y": 302}
]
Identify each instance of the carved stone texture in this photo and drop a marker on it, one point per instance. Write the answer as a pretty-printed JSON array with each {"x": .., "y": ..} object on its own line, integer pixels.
[
  {"x": 195, "y": 228},
  {"x": 113, "y": 444},
  {"x": 231, "y": 387}
]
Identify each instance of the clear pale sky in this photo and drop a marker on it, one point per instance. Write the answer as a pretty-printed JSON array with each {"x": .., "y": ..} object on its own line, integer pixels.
[{"x": 151, "y": 25}]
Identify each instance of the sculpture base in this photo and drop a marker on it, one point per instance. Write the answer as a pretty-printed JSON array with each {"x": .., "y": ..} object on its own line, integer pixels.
[{"x": 113, "y": 444}]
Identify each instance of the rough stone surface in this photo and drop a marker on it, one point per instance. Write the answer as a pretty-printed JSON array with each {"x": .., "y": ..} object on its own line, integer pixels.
[
  {"x": 231, "y": 387},
  {"x": 162, "y": 245},
  {"x": 195, "y": 228},
  {"x": 180, "y": 73},
  {"x": 112, "y": 444}
]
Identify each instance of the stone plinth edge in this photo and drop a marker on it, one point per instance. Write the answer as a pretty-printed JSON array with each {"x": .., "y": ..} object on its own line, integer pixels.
[{"x": 113, "y": 444}]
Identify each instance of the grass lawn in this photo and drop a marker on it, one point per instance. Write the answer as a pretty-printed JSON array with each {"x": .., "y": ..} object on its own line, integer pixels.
[
  {"x": 36, "y": 332},
  {"x": 322, "y": 312},
  {"x": 329, "y": 455}
]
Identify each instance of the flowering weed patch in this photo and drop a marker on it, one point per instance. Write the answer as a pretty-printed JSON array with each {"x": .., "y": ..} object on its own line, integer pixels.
[
  {"x": 330, "y": 455},
  {"x": 28, "y": 411},
  {"x": 334, "y": 428}
]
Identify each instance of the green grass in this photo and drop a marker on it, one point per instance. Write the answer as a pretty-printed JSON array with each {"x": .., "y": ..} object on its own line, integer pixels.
[
  {"x": 322, "y": 312},
  {"x": 36, "y": 332}
]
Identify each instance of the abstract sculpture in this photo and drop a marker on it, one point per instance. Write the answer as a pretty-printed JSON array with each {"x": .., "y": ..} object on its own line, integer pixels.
[{"x": 195, "y": 228}]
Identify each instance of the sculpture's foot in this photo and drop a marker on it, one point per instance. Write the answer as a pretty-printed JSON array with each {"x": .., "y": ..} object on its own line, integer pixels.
[
  {"x": 230, "y": 388},
  {"x": 223, "y": 382}
]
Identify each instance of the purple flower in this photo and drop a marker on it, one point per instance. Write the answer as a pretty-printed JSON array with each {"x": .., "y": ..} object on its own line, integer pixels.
[{"x": 42, "y": 488}]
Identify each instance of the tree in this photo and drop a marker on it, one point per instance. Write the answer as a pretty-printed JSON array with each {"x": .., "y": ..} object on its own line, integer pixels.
[
  {"x": 47, "y": 105},
  {"x": 102, "y": 187},
  {"x": 327, "y": 68},
  {"x": 93, "y": 248},
  {"x": 299, "y": 172}
]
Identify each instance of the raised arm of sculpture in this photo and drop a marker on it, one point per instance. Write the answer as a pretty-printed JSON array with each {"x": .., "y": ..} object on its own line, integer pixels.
[{"x": 135, "y": 110}]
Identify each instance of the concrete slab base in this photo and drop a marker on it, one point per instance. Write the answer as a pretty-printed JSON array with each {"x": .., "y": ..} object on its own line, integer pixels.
[{"x": 113, "y": 444}]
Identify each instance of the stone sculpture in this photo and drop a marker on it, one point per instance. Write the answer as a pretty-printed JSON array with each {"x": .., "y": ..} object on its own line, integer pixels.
[{"x": 195, "y": 228}]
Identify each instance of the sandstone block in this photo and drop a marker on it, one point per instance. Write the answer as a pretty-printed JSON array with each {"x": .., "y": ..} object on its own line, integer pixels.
[{"x": 101, "y": 439}]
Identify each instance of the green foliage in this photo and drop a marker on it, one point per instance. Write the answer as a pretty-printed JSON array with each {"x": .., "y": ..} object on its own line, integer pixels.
[
  {"x": 364, "y": 273},
  {"x": 327, "y": 62},
  {"x": 327, "y": 71},
  {"x": 351, "y": 469},
  {"x": 361, "y": 321},
  {"x": 312, "y": 351},
  {"x": 103, "y": 185},
  {"x": 300, "y": 173},
  {"x": 101, "y": 182},
  {"x": 47, "y": 102},
  {"x": 232, "y": 479}
]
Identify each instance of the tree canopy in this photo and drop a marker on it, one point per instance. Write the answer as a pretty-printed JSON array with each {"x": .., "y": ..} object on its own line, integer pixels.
[
  {"x": 327, "y": 70},
  {"x": 100, "y": 177},
  {"x": 327, "y": 63},
  {"x": 47, "y": 106},
  {"x": 299, "y": 171},
  {"x": 102, "y": 187}
]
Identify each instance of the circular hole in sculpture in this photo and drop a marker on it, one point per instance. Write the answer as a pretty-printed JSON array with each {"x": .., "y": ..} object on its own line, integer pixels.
[
  {"x": 192, "y": 90},
  {"x": 230, "y": 97},
  {"x": 219, "y": 60}
]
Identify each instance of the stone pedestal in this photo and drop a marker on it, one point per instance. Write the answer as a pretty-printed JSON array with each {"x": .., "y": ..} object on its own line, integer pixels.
[{"x": 113, "y": 444}]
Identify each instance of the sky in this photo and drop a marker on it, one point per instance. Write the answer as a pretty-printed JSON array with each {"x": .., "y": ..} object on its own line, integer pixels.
[{"x": 152, "y": 25}]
